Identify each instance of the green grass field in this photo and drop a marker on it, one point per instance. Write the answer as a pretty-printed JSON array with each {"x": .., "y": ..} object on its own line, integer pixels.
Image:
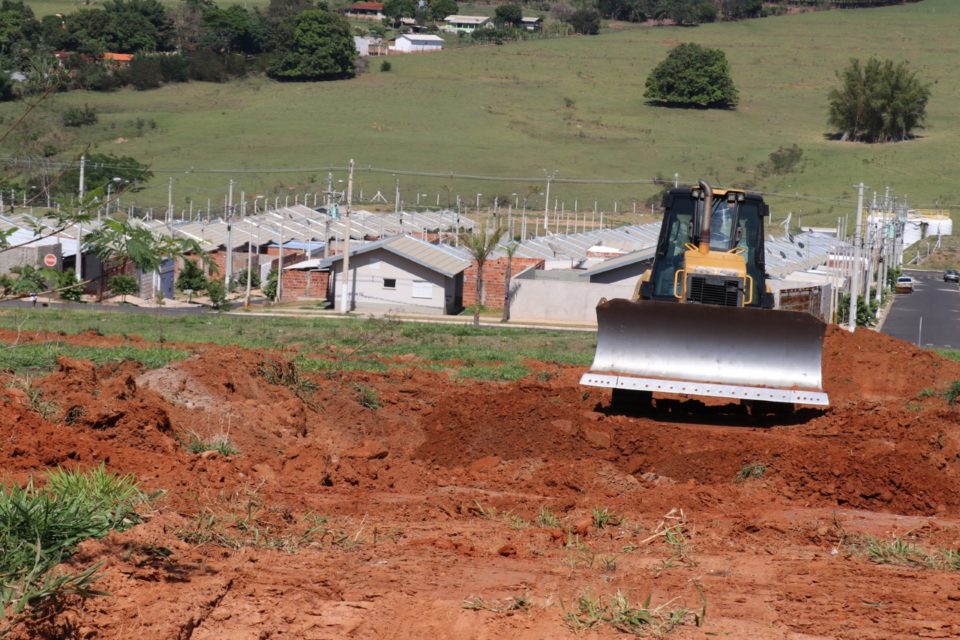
[
  {"x": 572, "y": 106},
  {"x": 320, "y": 344}
]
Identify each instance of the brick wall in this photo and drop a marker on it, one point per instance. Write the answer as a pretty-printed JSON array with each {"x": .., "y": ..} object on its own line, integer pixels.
[
  {"x": 494, "y": 272},
  {"x": 304, "y": 284}
]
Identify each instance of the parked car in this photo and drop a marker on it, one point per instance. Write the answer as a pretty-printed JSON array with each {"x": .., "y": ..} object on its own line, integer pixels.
[
  {"x": 904, "y": 284},
  {"x": 951, "y": 275}
]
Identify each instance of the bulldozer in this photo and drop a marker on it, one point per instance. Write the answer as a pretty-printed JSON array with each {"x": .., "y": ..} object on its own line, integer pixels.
[{"x": 701, "y": 320}]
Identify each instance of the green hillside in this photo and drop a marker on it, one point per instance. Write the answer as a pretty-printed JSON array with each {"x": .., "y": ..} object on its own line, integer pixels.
[{"x": 571, "y": 106}]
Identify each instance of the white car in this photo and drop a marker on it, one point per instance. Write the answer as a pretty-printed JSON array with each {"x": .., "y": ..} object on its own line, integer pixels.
[{"x": 904, "y": 284}]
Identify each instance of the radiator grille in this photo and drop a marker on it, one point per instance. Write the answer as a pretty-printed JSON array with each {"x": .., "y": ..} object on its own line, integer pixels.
[{"x": 718, "y": 291}]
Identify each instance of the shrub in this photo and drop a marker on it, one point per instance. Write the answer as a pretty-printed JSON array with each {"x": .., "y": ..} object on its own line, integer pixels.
[
  {"x": 207, "y": 66},
  {"x": 585, "y": 21},
  {"x": 191, "y": 277},
  {"x": 40, "y": 528},
  {"x": 144, "y": 73},
  {"x": 124, "y": 286},
  {"x": 385, "y": 66},
  {"x": 69, "y": 288},
  {"x": 79, "y": 117},
  {"x": 254, "y": 279},
  {"x": 217, "y": 293},
  {"x": 174, "y": 68},
  {"x": 270, "y": 288}
]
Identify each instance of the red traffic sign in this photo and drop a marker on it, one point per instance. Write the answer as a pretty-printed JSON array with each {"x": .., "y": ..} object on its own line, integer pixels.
[{"x": 50, "y": 260}]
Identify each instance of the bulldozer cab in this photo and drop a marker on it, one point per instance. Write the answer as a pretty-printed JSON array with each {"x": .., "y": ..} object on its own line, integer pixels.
[{"x": 736, "y": 225}]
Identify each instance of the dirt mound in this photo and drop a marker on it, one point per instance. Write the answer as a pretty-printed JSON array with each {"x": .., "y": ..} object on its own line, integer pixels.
[{"x": 360, "y": 504}]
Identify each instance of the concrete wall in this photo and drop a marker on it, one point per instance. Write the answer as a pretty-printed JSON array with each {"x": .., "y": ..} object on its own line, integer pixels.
[
  {"x": 369, "y": 271},
  {"x": 562, "y": 301},
  {"x": 32, "y": 256}
]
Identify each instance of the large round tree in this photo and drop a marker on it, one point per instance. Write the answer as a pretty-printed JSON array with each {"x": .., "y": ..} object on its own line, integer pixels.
[
  {"x": 321, "y": 48},
  {"x": 692, "y": 76},
  {"x": 878, "y": 102}
]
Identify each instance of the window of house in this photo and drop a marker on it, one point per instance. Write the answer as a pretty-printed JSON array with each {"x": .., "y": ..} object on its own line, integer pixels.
[
  {"x": 422, "y": 289},
  {"x": 389, "y": 283}
]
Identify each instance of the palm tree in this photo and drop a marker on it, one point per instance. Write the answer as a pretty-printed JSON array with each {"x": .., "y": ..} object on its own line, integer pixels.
[
  {"x": 510, "y": 249},
  {"x": 481, "y": 245}
]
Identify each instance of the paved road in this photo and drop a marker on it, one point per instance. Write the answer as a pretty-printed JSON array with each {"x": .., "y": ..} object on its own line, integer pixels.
[{"x": 929, "y": 316}]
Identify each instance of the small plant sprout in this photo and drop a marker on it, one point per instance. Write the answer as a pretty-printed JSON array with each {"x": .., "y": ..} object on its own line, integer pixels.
[
  {"x": 367, "y": 397},
  {"x": 546, "y": 519},
  {"x": 639, "y": 620},
  {"x": 219, "y": 442},
  {"x": 603, "y": 518},
  {"x": 751, "y": 471}
]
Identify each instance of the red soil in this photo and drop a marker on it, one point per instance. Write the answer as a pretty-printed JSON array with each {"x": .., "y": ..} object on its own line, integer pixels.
[{"x": 336, "y": 520}]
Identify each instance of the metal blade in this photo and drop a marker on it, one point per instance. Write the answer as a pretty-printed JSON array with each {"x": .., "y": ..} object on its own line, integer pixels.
[{"x": 709, "y": 344}]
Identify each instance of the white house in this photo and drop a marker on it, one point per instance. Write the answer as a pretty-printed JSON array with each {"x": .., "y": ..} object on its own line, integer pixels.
[
  {"x": 401, "y": 274},
  {"x": 533, "y": 23},
  {"x": 466, "y": 24},
  {"x": 416, "y": 43}
]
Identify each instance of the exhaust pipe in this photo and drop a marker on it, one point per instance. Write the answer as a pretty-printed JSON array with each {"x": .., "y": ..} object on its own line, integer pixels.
[{"x": 705, "y": 218}]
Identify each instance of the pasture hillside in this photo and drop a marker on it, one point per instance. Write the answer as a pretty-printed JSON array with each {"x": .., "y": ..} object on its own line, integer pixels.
[{"x": 571, "y": 106}]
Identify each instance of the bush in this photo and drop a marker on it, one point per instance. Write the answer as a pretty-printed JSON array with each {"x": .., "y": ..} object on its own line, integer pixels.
[
  {"x": 70, "y": 289},
  {"x": 7, "y": 92},
  {"x": 124, "y": 286},
  {"x": 144, "y": 73},
  {"x": 174, "y": 68},
  {"x": 692, "y": 76},
  {"x": 270, "y": 288},
  {"x": 585, "y": 21},
  {"x": 385, "y": 66},
  {"x": 217, "y": 294},
  {"x": 207, "y": 66},
  {"x": 191, "y": 277},
  {"x": 254, "y": 279},
  {"x": 79, "y": 117}
]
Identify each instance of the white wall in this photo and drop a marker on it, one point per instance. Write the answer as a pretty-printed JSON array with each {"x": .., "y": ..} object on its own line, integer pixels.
[
  {"x": 406, "y": 46},
  {"x": 562, "y": 301},
  {"x": 368, "y": 272}
]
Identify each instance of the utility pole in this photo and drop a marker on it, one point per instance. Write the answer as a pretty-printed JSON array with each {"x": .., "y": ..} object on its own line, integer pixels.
[
  {"x": 228, "y": 214},
  {"x": 546, "y": 206},
  {"x": 345, "y": 295},
  {"x": 82, "y": 189},
  {"x": 170, "y": 200},
  {"x": 855, "y": 271},
  {"x": 246, "y": 299}
]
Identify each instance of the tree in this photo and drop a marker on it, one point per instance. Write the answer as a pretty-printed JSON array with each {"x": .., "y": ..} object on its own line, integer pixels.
[
  {"x": 878, "y": 102},
  {"x": 232, "y": 29},
  {"x": 508, "y": 15},
  {"x": 101, "y": 169},
  {"x": 321, "y": 48},
  {"x": 191, "y": 277},
  {"x": 739, "y": 9},
  {"x": 217, "y": 294},
  {"x": 481, "y": 244},
  {"x": 396, "y": 9},
  {"x": 440, "y": 9},
  {"x": 692, "y": 76},
  {"x": 627, "y": 10},
  {"x": 118, "y": 242},
  {"x": 123, "y": 286},
  {"x": 688, "y": 12},
  {"x": 585, "y": 21},
  {"x": 508, "y": 274}
]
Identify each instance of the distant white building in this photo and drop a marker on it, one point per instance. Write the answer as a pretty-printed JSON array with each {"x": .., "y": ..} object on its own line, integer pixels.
[
  {"x": 466, "y": 24},
  {"x": 369, "y": 46},
  {"x": 533, "y": 23},
  {"x": 416, "y": 43}
]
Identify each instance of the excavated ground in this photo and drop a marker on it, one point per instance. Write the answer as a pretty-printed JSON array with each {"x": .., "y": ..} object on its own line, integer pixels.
[{"x": 340, "y": 520}]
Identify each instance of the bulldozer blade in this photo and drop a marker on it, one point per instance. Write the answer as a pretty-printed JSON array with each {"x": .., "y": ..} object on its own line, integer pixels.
[{"x": 706, "y": 350}]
